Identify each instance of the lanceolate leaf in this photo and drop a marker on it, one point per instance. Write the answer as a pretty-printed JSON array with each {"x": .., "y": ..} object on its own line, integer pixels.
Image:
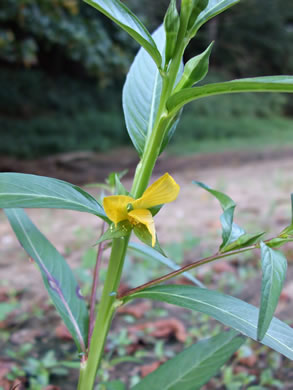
[
  {"x": 58, "y": 277},
  {"x": 19, "y": 190},
  {"x": 243, "y": 241},
  {"x": 274, "y": 268},
  {"x": 141, "y": 94},
  {"x": 231, "y": 311},
  {"x": 278, "y": 241},
  {"x": 230, "y": 231},
  {"x": 144, "y": 235},
  {"x": 153, "y": 254},
  {"x": 193, "y": 367},
  {"x": 213, "y": 8},
  {"x": 257, "y": 84},
  {"x": 120, "y": 14}
]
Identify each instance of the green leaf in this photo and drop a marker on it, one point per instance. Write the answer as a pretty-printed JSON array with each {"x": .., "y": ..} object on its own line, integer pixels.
[
  {"x": 197, "y": 7},
  {"x": 278, "y": 241},
  {"x": 19, "y": 190},
  {"x": 122, "y": 229},
  {"x": 119, "y": 187},
  {"x": 153, "y": 254},
  {"x": 171, "y": 25},
  {"x": 274, "y": 268},
  {"x": 154, "y": 210},
  {"x": 195, "y": 69},
  {"x": 256, "y": 84},
  {"x": 114, "y": 182},
  {"x": 243, "y": 241},
  {"x": 58, "y": 277},
  {"x": 193, "y": 367},
  {"x": 144, "y": 235},
  {"x": 141, "y": 95},
  {"x": 231, "y": 311},
  {"x": 230, "y": 230},
  {"x": 214, "y": 7},
  {"x": 121, "y": 15}
]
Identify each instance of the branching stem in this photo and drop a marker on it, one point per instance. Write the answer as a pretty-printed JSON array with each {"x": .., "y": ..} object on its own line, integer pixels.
[{"x": 188, "y": 267}]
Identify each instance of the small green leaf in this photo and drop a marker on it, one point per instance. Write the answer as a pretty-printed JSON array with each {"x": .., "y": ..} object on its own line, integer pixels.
[
  {"x": 287, "y": 232},
  {"x": 195, "y": 69},
  {"x": 230, "y": 230},
  {"x": 57, "y": 276},
  {"x": 121, "y": 15},
  {"x": 230, "y": 311},
  {"x": 153, "y": 254},
  {"x": 122, "y": 229},
  {"x": 277, "y": 242},
  {"x": 119, "y": 187},
  {"x": 19, "y": 190},
  {"x": 198, "y": 7},
  {"x": 274, "y": 268},
  {"x": 141, "y": 95},
  {"x": 193, "y": 367},
  {"x": 256, "y": 84},
  {"x": 114, "y": 182},
  {"x": 144, "y": 235},
  {"x": 225, "y": 201},
  {"x": 213, "y": 8},
  {"x": 154, "y": 210},
  {"x": 171, "y": 25},
  {"x": 243, "y": 241}
]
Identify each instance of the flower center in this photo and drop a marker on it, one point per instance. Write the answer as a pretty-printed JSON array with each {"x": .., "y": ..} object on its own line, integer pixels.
[{"x": 132, "y": 220}]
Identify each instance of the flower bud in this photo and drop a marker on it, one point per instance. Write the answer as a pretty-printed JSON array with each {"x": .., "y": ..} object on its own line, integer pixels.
[
  {"x": 195, "y": 69},
  {"x": 197, "y": 8},
  {"x": 171, "y": 24}
]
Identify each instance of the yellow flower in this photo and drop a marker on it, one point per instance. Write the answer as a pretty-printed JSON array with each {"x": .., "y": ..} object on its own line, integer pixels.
[{"x": 122, "y": 207}]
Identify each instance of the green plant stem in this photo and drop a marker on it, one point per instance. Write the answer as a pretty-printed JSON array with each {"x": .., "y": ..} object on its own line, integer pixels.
[
  {"x": 95, "y": 285},
  {"x": 106, "y": 310},
  {"x": 162, "y": 123},
  {"x": 185, "y": 269},
  {"x": 146, "y": 165},
  {"x": 143, "y": 173}
]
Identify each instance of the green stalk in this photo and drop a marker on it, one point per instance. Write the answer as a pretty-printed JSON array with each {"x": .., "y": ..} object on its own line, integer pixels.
[
  {"x": 108, "y": 302},
  {"x": 106, "y": 310},
  {"x": 153, "y": 146}
]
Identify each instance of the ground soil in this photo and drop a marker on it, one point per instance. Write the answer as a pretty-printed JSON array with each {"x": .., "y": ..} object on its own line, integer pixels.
[{"x": 259, "y": 182}]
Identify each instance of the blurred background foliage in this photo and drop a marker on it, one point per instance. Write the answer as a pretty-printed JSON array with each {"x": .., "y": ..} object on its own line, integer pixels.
[{"x": 62, "y": 67}]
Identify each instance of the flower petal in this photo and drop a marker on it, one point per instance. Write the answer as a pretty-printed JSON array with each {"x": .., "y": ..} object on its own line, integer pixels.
[
  {"x": 115, "y": 207},
  {"x": 163, "y": 190},
  {"x": 145, "y": 217}
]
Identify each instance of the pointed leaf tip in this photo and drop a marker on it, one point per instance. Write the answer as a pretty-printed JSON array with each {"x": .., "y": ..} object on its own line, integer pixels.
[
  {"x": 121, "y": 15},
  {"x": 274, "y": 268}
]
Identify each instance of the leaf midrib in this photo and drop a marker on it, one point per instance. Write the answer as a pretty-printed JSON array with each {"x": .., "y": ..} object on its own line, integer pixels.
[
  {"x": 218, "y": 309},
  {"x": 200, "y": 363},
  {"x": 39, "y": 196},
  {"x": 67, "y": 308}
]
